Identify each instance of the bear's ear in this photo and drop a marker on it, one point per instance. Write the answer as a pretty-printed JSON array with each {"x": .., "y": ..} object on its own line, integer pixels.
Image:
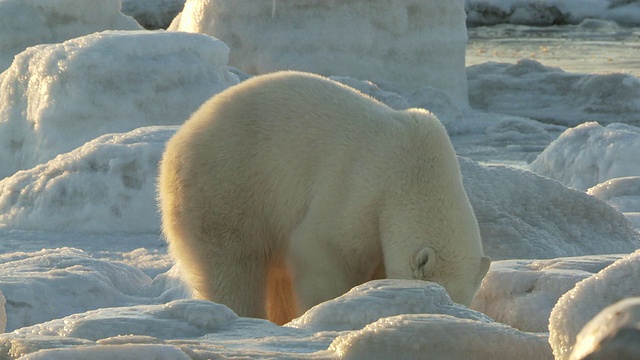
[{"x": 422, "y": 263}]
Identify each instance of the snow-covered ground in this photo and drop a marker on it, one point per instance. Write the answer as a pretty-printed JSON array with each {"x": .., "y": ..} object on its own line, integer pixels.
[{"x": 84, "y": 117}]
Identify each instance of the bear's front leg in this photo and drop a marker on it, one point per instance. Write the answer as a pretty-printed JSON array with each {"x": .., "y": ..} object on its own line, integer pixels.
[{"x": 320, "y": 272}]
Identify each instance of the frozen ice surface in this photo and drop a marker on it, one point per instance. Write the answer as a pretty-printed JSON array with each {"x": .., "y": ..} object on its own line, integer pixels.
[
  {"x": 25, "y": 23},
  {"x": 550, "y": 12},
  {"x": 366, "y": 303},
  {"x": 213, "y": 330},
  {"x": 526, "y": 216},
  {"x": 613, "y": 334},
  {"x": 590, "y": 154},
  {"x": 522, "y": 293},
  {"x": 106, "y": 185},
  {"x": 403, "y": 45},
  {"x": 56, "y": 97},
  {"x": 557, "y": 96},
  {"x": 581, "y": 304},
  {"x": 44, "y": 285}
]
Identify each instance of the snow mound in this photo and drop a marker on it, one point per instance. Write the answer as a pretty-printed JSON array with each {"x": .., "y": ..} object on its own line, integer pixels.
[
  {"x": 24, "y": 23},
  {"x": 52, "y": 283},
  {"x": 623, "y": 194},
  {"x": 522, "y": 293},
  {"x": 153, "y": 14},
  {"x": 503, "y": 88},
  {"x": 176, "y": 319},
  {"x": 110, "y": 352},
  {"x": 401, "y": 45},
  {"x": 526, "y": 216},
  {"x": 550, "y": 12},
  {"x": 413, "y": 336},
  {"x": 613, "y": 334},
  {"x": 589, "y": 154},
  {"x": 366, "y": 303},
  {"x": 106, "y": 185},
  {"x": 578, "y": 306},
  {"x": 213, "y": 331},
  {"x": 55, "y": 98}
]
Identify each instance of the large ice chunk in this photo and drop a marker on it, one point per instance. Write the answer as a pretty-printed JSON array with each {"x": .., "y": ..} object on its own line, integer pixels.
[
  {"x": 55, "y": 98},
  {"x": 401, "y": 45}
]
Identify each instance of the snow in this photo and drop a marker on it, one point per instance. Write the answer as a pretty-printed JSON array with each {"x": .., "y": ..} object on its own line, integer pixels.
[
  {"x": 380, "y": 298},
  {"x": 589, "y": 154},
  {"x": 623, "y": 194},
  {"x": 406, "y": 337},
  {"x": 523, "y": 215},
  {"x": 522, "y": 293},
  {"x": 85, "y": 114},
  {"x": 103, "y": 83},
  {"x": 575, "y": 308},
  {"x": 397, "y": 38}
]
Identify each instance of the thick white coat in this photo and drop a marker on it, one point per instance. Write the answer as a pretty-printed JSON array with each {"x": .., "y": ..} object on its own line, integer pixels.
[{"x": 291, "y": 185}]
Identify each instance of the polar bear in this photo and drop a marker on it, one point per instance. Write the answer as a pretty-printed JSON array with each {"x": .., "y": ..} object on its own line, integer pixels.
[{"x": 289, "y": 189}]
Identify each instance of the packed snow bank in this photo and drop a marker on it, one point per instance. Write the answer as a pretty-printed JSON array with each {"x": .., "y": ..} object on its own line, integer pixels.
[
  {"x": 57, "y": 282},
  {"x": 526, "y": 216},
  {"x": 25, "y": 23},
  {"x": 578, "y": 306},
  {"x": 381, "y": 298},
  {"x": 553, "y": 95},
  {"x": 550, "y": 12},
  {"x": 106, "y": 185},
  {"x": 55, "y": 98},
  {"x": 613, "y": 334},
  {"x": 403, "y": 45},
  {"x": 153, "y": 14},
  {"x": 522, "y": 293},
  {"x": 213, "y": 331},
  {"x": 590, "y": 154}
]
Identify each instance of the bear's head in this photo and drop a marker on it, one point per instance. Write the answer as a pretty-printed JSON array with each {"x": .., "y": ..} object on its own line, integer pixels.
[
  {"x": 428, "y": 228},
  {"x": 460, "y": 275}
]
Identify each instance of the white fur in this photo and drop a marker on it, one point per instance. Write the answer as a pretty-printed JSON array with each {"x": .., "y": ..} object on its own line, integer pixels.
[{"x": 294, "y": 175}]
